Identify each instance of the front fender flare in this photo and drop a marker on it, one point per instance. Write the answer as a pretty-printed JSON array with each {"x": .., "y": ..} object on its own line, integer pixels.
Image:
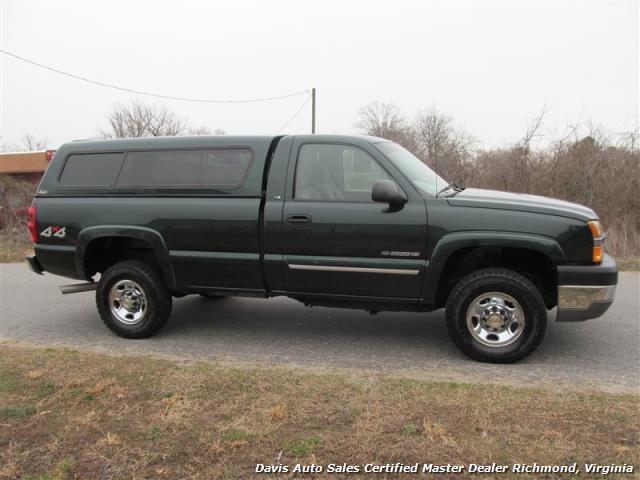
[
  {"x": 148, "y": 235},
  {"x": 453, "y": 242}
]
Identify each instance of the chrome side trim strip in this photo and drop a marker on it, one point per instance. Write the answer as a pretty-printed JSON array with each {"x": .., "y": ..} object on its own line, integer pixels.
[
  {"x": 325, "y": 268},
  {"x": 214, "y": 255}
]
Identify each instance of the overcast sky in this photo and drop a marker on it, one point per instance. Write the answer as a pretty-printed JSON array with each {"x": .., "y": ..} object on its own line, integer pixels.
[{"x": 491, "y": 65}]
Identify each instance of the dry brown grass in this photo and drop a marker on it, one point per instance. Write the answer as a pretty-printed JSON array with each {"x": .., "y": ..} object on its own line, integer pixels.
[
  {"x": 98, "y": 416},
  {"x": 277, "y": 413},
  {"x": 629, "y": 263},
  {"x": 14, "y": 247}
]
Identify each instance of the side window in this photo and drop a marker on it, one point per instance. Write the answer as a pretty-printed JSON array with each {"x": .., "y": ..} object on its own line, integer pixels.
[
  {"x": 91, "y": 170},
  {"x": 329, "y": 172},
  {"x": 160, "y": 168},
  {"x": 225, "y": 168},
  {"x": 360, "y": 171},
  {"x": 185, "y": 168}
]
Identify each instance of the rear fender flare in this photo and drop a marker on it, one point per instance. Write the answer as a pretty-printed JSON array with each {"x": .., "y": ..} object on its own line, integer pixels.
[{"x": 152, "y": 237}]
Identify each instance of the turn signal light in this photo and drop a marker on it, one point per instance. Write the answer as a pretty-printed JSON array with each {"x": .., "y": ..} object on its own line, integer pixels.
[
  {"x": 598, "y": 252},
  {"x": 598, "y": 240}
]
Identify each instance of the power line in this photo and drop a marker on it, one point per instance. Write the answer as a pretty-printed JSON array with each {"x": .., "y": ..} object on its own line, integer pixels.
[
  {"x": 295, "y": 114},
  {"x": 148, "y": 94}
]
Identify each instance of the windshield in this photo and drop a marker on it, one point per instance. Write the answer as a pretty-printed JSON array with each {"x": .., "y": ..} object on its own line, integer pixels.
[{"x": 422, "y": 177}]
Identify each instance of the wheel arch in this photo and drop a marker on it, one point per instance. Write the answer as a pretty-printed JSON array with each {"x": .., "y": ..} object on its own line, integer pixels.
[
  {"x": 92, "y": 236},
  {"x": 457, "y": 254}
]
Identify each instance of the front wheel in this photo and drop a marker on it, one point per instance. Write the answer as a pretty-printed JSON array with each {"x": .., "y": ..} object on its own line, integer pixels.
[
  {"x": 496, "y": 315},
  {"x": 133, "y": 300}
]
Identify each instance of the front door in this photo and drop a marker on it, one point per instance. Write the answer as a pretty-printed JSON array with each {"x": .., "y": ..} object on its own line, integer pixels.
[{"x": 336, "y": 240}]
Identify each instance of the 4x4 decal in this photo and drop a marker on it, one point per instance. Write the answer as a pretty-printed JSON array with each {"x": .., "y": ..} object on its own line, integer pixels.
[{"x": 54, "y": 231}]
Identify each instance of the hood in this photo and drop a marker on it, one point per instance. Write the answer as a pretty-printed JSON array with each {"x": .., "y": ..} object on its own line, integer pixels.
[{"x": 475, "y": 197}]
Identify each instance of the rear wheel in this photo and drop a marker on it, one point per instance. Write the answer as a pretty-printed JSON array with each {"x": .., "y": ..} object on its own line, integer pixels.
[
  {"x": 133, "y": 300},
  {"x": 496, "y": 315}
]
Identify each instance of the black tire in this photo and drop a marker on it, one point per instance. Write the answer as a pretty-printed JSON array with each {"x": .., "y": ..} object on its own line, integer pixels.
[
  {"x": 157, "y": 304},
  {"x": 508, "y": 282}
]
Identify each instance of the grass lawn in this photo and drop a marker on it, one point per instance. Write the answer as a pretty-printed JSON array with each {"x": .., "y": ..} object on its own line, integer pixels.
[{"x": 71, "y": 414}]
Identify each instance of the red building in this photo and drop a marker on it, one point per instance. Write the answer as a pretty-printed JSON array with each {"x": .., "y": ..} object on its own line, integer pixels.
[{"x": 28, "y": 166}]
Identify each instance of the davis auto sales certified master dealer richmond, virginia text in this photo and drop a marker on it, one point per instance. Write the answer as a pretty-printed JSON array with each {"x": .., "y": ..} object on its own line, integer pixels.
[{"x": 444, "y": 468}]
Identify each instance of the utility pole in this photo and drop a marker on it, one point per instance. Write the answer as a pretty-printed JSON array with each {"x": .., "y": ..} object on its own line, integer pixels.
[{"x": 313, "y": 110}]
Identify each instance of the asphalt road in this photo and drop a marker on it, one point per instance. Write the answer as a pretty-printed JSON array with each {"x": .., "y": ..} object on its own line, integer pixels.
[{"x": 602, "y": 353}]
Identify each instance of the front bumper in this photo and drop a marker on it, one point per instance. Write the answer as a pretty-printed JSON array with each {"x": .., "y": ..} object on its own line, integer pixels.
[
  {"x": 586, "y": 292},
  {"x": 577, "y": 302}
]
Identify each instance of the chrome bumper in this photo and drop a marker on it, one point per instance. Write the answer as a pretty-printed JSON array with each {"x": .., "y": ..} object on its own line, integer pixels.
[{"x": 582, "y": 302}]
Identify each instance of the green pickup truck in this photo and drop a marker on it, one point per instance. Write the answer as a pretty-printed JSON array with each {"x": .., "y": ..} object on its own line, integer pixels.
[{"x": 329, "y": 220}]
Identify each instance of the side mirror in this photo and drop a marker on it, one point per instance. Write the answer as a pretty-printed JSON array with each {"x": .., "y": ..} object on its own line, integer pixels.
[{"x": 388, "y": 191}]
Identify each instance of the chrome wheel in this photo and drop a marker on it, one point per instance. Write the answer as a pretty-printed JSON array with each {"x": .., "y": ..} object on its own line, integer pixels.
[
  {"x": 495, "y": 319},
  {"x": 127, "y": 302}
]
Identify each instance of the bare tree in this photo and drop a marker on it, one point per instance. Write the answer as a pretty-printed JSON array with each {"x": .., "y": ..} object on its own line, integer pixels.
[
  {"x": 431, "y": 136},
  {"x": 143, "y": 120},
  {"x": 30, "y": 143},
  {"x": 199, "y": 131},
  {"x": 522, "y": 153},
  {"x": 386, "y": 121},
  {"x": 204, "y": 131},
  {"x": 381, "y": 120},
  {"x": 630, "y": 140},
  {"x": 443, "y": 146},
  {"x": 434, "y": 132}
]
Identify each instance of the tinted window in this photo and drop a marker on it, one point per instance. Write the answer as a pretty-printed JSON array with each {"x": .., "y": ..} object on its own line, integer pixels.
[
  {"x": 336, "y": 173},
  {"x": 193, "y": 168},
  {"x": 225, "y": 167},
  {"x": 414, "y": 169},
  {"x": 91, "y": 170},
  {"x": 360, "y": 171}
]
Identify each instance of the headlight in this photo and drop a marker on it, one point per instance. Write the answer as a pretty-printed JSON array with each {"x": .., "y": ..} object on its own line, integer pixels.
[{"x": 598, "y": 240}]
